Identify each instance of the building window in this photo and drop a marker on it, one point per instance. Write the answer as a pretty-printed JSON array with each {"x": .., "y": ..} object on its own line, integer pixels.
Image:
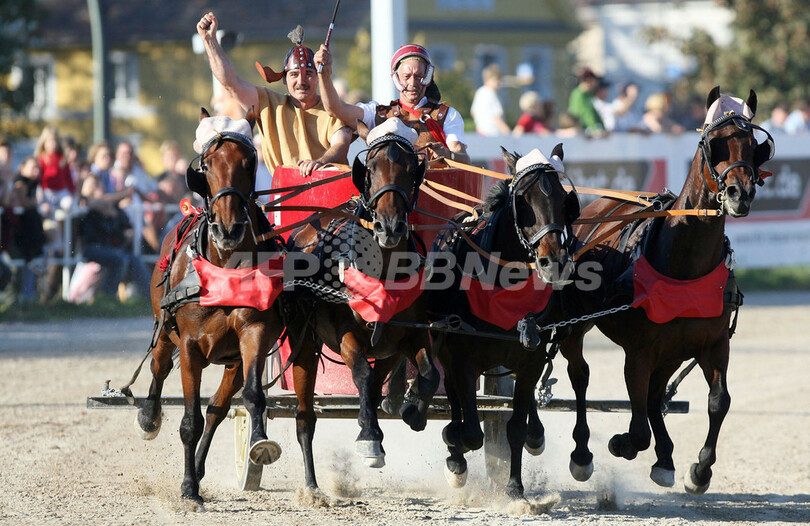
[
  {"x": 34, "y": 86},
  {"x": 443, "y": 56},
  {"x": 466, "y": 5},
  {"x": 540, "y": 60},
  {"x": 484, "y": 55},
  {"x": 124, "y": 69}
]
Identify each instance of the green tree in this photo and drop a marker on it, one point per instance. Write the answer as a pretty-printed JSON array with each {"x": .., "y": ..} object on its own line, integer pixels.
[
  {"x": 358, "y": 71},
  {"x": 768, "y": 53},
  {"x": 19, "y": 23}
]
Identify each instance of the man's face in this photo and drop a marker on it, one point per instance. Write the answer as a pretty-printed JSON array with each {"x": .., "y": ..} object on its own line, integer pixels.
[
  {"x": 302, "y": 88},
  {"x": 410, "y": 74}
]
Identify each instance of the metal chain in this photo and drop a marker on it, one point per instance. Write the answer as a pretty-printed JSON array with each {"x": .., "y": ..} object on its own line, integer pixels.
[
  {"x": 326, "y": 292},
  {"x": 586, "y": 317}
]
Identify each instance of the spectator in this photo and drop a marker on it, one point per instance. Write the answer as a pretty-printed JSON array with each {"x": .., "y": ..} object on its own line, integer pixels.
[
  {"x": 618, "y": 114},
  {"x": 486, "y": 109},
  {"x": 105, "y": 235},
  {"x": 55, "y": 177},
  {"x": 534, "y": 116},
  {"x": 128, "y": 167},
  {"x": 171, "y": 182},
  {"x": 776, "y": 122},
  {"x": 568, "y": 126},
  {"x": 798, "y": 122},
  {"x": 656, "y": 118},
  {"x": 6, "y": 171},
  {"x": 25, "y": 223},
  {"x": 580, "y": 103},
  {"x": 72, "y": 152}
]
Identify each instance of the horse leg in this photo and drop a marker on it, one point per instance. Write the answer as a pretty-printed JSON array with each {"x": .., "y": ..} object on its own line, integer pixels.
[
  {"x": 368, "y": 443},
  {"x": 637, "y": 380},
  {"x": 191, "y": 425},
  {"x": 535, "y": 432},
  {"x": 714, "y": 370},
  {"x": 472, "y": 436},
  {"x": 397, "y": 382},
  {"x": 581, "y": 465},
  {"x": 305, "y": 372},
  {"x": 516, "y": 429},
  {"x": 455, "y": 465},
  {"x": 415, "y": 414},
  {"x": 663, "y": 471},
  {"x": 254, "y": 344},
  {"x": 150, "y": 415},
  {"x": 217, "y": 410}
]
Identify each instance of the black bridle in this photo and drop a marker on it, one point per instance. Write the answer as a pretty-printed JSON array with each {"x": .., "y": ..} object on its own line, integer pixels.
[
  {"x": 743, "y": 123},
  {"x": 361, "y": 175},
  {"x": 536, "y": 173},
  {"x": 197, "y": 178}
]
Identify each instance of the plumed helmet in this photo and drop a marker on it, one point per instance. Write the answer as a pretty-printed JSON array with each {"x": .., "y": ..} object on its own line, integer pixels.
[
  {"x": 299, "y": 57},
  {"x": 411, "y": 50}
]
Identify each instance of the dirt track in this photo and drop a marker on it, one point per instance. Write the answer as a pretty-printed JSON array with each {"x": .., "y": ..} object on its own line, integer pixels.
[{"x": 64, "y": 464}]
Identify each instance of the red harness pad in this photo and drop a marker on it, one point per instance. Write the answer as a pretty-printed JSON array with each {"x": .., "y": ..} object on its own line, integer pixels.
[
  {"x": 664, "y": 298},
  {"x": 256, "y": 287},
  {"x": 505, "y": 307},
  {"x": 376, "y": 300}
]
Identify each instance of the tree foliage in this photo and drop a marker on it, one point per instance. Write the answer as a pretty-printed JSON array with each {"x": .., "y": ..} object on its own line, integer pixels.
[
  {"x": 19, "y": 23},
  {"x": 768, "y": 53}
]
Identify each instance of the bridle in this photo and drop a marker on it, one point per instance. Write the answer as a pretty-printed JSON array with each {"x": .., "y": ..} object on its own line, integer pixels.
[
  {"x": 361, "y": 175},
  {"x": 719, "y": 179},
  {"x": 540, "y": 173},
  {"x": 196, "y": 178}
]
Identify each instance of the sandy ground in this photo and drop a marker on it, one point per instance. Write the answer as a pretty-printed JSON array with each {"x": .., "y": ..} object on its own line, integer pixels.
[{"x": 62, "y": 463}]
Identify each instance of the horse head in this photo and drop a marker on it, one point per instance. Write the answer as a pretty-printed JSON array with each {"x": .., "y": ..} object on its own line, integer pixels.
[
  {"x": 543, "y": 211},
  {"x": 389, "y": 180},
  {"x": 730, "y": 156},
  {"x": 226, "y": 176}
]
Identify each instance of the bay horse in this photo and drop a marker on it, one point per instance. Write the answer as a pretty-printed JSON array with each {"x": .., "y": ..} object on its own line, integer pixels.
[
  {"x": 526, "y": 220},
  {"x": 222, "y": 235},
  {"x": 722, "y": 179},
  {"x": 388, "y": 183}
]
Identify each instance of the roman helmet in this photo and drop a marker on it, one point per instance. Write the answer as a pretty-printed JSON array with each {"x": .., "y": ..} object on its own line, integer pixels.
[{"x": 299, "y": 57}]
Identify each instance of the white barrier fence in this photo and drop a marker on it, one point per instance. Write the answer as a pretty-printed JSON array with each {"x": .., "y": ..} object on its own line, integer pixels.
[{"x": 775, "y": 233}]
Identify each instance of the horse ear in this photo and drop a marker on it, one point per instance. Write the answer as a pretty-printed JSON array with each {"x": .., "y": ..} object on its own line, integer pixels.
[
  {"x": 714, "y": 94},
  {"x": 558, "y": 151},
  {"x": 510, "y": 160},
  {"x": 251, "y": 117},
  {"x": 204, "y": 113},
  {"x": 752, "y": 102},
  {"x": 359, "y": 175},
  {"x": 362, "y": 129}
]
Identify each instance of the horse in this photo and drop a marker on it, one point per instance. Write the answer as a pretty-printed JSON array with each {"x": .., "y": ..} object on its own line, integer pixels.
[
  {"x": 347, "y": 252},
  {"x": 222, "y": 235},
  {"x": 722, "y": 179},
  {"x": 525, "y": 220}
]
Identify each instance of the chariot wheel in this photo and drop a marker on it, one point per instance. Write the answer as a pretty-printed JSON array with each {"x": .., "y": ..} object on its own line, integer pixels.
[
  {"x": 248, "y": 474},
  {"x": 497, "y": 454}
]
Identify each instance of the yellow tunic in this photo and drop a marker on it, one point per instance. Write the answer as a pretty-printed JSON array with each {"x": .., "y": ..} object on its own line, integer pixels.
[{"x": 290, "y": 134}]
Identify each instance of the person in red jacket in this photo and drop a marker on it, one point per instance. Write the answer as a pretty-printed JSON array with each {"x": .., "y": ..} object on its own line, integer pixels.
[{"x": 56, "y": 179}]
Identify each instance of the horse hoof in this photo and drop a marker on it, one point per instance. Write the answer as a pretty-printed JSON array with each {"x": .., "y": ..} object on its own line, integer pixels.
[
  {"x": 663, "y": 477},
  {"x": 148, "y": 434},
  {"x": 390, "y": 407},
  {"x": 455, "y": 480},
  {"x": 264, "y": 452},
  {"x": 410, "y": 415},
  {"x": 535, "y": 450},
  {"x": 195, "y": 503},
  {"x": 371, "y": 452},
  {"x": 580, "y": 473},
  {"x": 691, "y": 485}
]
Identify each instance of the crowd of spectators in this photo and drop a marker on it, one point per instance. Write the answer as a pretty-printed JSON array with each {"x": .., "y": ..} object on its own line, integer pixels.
[
  {"x": 106, "y": 196},
  {"x": 597, "y": 108}
]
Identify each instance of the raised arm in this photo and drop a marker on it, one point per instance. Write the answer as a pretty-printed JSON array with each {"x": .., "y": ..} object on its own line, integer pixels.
[
  {"x": 221, "y": 67},
  {"x": 331, "y": 101}
]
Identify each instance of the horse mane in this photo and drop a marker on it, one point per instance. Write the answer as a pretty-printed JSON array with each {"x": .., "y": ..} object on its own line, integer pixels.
[{"x": 497, "y": 197}]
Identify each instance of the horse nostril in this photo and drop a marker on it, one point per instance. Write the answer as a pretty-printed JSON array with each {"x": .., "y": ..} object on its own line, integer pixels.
[
  {"x": 544, "y": 262},
  {"x": 401, "y": 228},
  {"x": 378, "y": 227},
  {"x": 733, "y": 192}
]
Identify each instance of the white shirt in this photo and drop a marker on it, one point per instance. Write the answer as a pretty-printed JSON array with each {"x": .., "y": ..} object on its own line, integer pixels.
[
  {"x": 485, "y": 108},
  {"x": 453, "y": 123}
]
